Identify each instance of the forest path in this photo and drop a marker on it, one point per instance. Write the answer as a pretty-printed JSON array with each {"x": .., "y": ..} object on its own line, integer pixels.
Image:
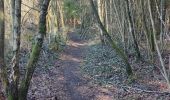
[
  {"x": 75, "y": 85},
  {"x": 63, "y": 80}
]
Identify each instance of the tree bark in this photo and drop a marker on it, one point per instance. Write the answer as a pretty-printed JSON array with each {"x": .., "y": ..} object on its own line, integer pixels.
[
  {"x": 113, "y": 44},
  {"x": 2, "y": 29},
  {"x": 60, "y": 8},
  {"x": 164, "y": 72},
  {"x": 3, "y": 71},
  {"x": 12, "y": 16},
  {"x": 31, "y": 65},
  {"x": 101, "y": 17},
  {"x": 13, "y": 93},
  {"x": 133, "y": 29}
]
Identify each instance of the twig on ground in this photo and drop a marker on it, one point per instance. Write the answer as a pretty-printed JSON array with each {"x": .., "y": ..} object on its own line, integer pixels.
[{"x": 142, "y": 90}]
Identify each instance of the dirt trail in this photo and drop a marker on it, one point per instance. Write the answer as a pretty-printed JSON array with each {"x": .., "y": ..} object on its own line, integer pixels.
[
  {"x": 65, "y": 81},
  {"x": 77, "y": 86}
]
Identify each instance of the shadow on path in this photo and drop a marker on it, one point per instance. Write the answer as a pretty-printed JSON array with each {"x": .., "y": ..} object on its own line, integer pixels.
[
  {"x": 65, "y": 81},
  {"x": 77, "y": 85}
]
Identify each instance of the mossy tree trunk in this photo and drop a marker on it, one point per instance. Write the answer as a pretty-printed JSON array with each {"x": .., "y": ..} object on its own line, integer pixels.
[
  {"x": 3, "y": 71},
  {"x": 13, "y": 91},
  {"x": 35, "y": 52},
  {"x": 112, "y": 42}
]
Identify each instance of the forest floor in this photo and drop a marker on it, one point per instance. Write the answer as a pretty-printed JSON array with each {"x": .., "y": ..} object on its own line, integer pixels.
[
  {"x": 78, "y": 75},
  {"x": 65, "y": 80},
  {"x": 85, "y": 70}
]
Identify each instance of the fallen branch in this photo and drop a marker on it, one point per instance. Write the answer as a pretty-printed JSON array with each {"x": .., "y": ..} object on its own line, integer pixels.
[{"x": 142, "y": 90}]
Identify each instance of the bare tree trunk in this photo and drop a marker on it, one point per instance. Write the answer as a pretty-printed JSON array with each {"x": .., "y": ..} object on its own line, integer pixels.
[
  {"x": 31, "y": 65},
  {"x": 162, "y": 21},
  {"x": 2, "y": 29},
  {"x": 106, "y": 15},
  {"x": 100, "y": 13},
  {"x": 13, "y": 14},
  {"x": 3, "y": 71},
  {"x": 113, "y": 44},
  {"x": 13, "y": 93},
  {"x": 147, "y": 31},
  {"x": 164, "y": 72},
  {"x": 60, "y": 8},
  {"x": 133, "y": 29}
]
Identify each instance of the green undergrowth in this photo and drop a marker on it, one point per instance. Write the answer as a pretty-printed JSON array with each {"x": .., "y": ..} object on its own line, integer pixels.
[{"x": 103, "y": 65}]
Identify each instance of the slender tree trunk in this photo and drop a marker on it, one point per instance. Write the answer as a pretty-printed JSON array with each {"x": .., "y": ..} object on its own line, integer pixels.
[
  {"x": 113, "y": 44},
  {"x": 3, "y": 69},
  {"x": 133, "y": 29},
  {"x": 13, "y": 14},
  {"x": 100, "y": 14},
  {"x": 2, "y": 29},
  {"x": 13, "y": 93},
  {"x": 157, "y": 47},
  {"x": 147, "y": 31},
  {"x": 106, "y": 15},
  {"x": 162, "y": 21},
  {"x": 35, "y": 52},
  {"x": 151, "y": 35},
  {"x": 60, "y": 8},
  {"x": 120, "y": 26}
]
